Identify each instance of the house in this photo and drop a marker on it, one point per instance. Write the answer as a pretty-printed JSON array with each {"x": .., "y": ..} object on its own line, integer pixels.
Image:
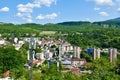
[
  {"x": 26, "y": 39},
  {"x": 2, "y": 41},
  {"x": 17, "y": 46},
  {"x": 66, "y": 62},
  {"x": 34, "y": 34},
  {"x": 21, "y": 42},
  {"x": 26, "y": 66},
  {"x": 65, "y": 47},
  {"x": 39, "y": 42},
  {"x": 75, "y": 70},
  {"x": 48, "y": 55},
  {"x": 27, "y": 34},
  {"x": 38, "y": 62},
  {"x": 77, "y": 62},
  {"x": 40, "y": 56},
  {"x": 7, "y": 74},
  {"x": 106, "y": 50},
  {"x": 15, "y": 40},
  {"x": 7, "y": 78}
]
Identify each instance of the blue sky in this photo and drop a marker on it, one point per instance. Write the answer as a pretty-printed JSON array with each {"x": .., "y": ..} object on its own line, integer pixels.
[{"x": 54, "y": 11}]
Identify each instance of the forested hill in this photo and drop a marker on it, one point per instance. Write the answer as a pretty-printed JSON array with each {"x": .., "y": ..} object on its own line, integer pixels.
[
  {"x": 64, "y": 26},
  {"x": 109, "y": 23},
  {"x": 74, "y": 23},
  {"x": 33, "y": 27}
]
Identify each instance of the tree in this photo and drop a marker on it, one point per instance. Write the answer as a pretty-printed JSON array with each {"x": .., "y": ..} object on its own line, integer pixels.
[
  {"x": 102, "y": 70},
  {"x": 11, "y": 60}
]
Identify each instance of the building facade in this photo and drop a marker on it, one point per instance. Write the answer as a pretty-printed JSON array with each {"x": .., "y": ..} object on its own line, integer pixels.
[
  {"x": 96, "y": 53},
  {"x": 77, "y": 52},
  {"x": 112, "y": 54}
]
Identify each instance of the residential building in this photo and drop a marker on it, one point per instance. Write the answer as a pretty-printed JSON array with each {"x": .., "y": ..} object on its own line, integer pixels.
[
  {"x": 65, "y": 48},
  {"x": 29, "y": 55},
  {"x": 15, "y": 40},
  {"x": 78, "y": 62},
  {"x": 77, "y": 52},
  {"x": 61, "y": 51},
  {"x": 66, "y": 62},
  {"x": 17, "y": 46},
  {"x": 2, "y": 41},
  {"x": 112, "y": 54},
  {"x": 21, "y": 42},
  {"x": 96, "y": 53},
  {"x": 40, "y": 56}
]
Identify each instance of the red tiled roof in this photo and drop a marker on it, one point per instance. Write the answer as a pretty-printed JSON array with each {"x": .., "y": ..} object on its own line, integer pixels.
[
  {"x": 74, "y": 69},
  {"x": 36, "y": 62},
  {"x": 78, "y": 59},
  {"x": 6, "y": 74}
]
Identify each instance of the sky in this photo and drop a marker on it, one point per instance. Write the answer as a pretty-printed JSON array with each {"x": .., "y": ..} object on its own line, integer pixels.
[{"x": 55, "y": 11}]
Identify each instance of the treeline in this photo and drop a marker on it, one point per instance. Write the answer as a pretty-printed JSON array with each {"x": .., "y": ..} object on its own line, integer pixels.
[
  {"x": 65, "y": 26},
  {"x": 102, "y": 38},
  {"x": 32, "y": 27}
]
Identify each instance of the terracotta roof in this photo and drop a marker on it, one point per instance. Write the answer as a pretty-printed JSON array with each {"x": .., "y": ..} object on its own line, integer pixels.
[
  {"x": 36, "y": 62},
  {"x": 77, "y": 59},
  {"x": 6, "y": 74},
  {"x": 74, "y": 69}
]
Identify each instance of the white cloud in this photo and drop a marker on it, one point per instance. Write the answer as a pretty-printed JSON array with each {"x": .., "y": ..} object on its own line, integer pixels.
[
  {"x": 25, "y": 10},
  {"x": 103, "y": 13},
  {"x": 29, "y": 20},
  {"x": 24, "y": 15},
  {"x": 48, "y": 16},
  {"x": 19, "y": 14},
  {"x": 96, "y": 8},
  {"x": 4, "y": 9},
  {"x": 118, "y": 9},
  {"x": 103, "y": 2},
  {"x": 51, "y": 16},
  {"x": 45, "y": 2},
  {"x": 40, "y": 17},
  {"x": 35, "y": 4}
]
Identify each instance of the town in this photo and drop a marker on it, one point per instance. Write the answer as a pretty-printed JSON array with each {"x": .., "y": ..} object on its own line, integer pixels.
[
  {"x": 59, "y": 39},
  {"x": 58, "y": 52}
]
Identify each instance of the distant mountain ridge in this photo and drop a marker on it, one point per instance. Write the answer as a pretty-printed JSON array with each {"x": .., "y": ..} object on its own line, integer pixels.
[
  {"x": 109, "y": 23},
  {"x": 115, "y": 20},
  {"x": 74, "y": 23}
]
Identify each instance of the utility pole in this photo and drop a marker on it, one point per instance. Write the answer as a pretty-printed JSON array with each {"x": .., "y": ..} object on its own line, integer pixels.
[{"x": 32, "y": 47}]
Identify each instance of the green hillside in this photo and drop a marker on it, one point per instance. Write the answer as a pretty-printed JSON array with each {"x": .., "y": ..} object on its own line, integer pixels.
[
  {"x": 110, "y": 23},
  {"x": 64, "y": 26}
]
